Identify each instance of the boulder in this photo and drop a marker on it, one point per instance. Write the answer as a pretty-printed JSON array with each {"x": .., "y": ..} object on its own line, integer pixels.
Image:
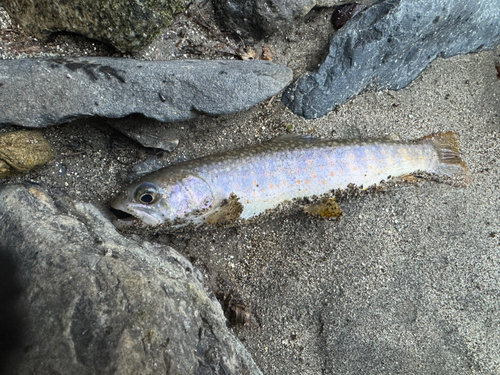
[
  {"x": 128, "y": 26},
  {"x": 100, "y": 303}
]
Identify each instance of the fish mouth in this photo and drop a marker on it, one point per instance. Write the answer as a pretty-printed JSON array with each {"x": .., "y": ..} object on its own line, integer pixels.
[
  {"x": 126, "y": 219},
  {"x": 123, "y": 219},
  {"x": 121, "y": 215}
]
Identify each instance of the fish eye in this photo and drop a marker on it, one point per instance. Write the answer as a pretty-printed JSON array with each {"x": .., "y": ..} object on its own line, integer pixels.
[
  {"x": 146, "y": 198},
  {"x": 146, "y": 193}
]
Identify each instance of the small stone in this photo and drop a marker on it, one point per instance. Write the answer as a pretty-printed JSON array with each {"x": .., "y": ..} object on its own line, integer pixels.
[
  {"x": 21, "y": 151},
  {"x": 148, "y": 132},
  {"x": 267, "y": 53}
]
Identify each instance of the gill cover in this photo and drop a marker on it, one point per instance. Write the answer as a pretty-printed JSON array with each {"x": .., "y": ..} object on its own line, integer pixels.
[{"x": 183, "y": 198}]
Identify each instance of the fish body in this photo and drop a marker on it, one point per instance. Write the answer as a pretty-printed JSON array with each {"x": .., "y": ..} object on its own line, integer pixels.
[{"x": 260, "y": 177}]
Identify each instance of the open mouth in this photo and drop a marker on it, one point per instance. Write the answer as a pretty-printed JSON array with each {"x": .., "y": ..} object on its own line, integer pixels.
[
  {"x": 121, "y": 215},
  {"x": 123, "y": 219}
]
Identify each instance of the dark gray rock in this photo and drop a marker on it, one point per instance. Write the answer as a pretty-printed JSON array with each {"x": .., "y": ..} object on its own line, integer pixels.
[
  {"x": 11, "y": 314},
  {"x": 126, "y": 25},
  {"x": 100, "y": 303},
  {"x": 262, "y": 18},
  {"x": 389, "y": 44},
  {"x": 148, "y": 132},
  {"x": 37, "y": 93}
]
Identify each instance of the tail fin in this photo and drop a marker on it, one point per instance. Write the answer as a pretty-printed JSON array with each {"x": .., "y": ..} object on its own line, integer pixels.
[{"x": 450, "y": 163}]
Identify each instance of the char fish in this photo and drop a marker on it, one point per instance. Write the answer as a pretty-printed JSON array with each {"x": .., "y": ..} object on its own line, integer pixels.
[{"x": 246, "y": 182}]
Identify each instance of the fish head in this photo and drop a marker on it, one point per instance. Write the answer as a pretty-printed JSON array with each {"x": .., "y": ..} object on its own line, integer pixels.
[{"x": 157, "y": 200}]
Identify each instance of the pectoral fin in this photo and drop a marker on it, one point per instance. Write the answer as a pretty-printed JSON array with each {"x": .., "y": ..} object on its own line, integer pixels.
[
  {"x": 229, "y": 211},
  {"x": 327, "y": 209}
]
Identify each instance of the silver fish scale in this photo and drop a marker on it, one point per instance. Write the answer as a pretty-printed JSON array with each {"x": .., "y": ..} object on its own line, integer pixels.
[{"x": 265, "y": 175}]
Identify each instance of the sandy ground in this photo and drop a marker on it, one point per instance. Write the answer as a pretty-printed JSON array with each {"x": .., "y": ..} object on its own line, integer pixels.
[{"x": 406, "y": 281}]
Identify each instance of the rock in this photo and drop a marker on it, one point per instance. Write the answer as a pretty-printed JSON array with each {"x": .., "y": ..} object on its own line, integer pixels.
[
  {"x": 261, "y": 18},
  {"x": 389, "y": 44},
  {"x": 344, "y": 13},
  {"x": 100, "y": 303},
  {"x": 127, "y": 26},
  {"x": 11, "y": 314},
  {"x": 66, "y": 89},
  {"x": 148, "y": 132},
  {"x": 21, "y": 151}
]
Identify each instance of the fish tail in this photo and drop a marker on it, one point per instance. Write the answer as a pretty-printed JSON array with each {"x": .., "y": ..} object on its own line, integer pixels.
[{"x": 448, "y": 151}]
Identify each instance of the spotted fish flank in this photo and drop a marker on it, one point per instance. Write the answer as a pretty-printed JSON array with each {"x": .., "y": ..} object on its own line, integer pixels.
[{"x": 255, "y": 179}]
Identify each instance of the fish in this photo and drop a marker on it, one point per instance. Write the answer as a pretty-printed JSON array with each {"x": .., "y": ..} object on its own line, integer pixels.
[{"x": 246, "y": 182}]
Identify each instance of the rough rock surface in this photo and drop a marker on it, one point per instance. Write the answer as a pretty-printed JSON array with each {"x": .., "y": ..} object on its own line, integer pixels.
[
  {"x": 262, "y": 18},
  {"x": 128, "y": 26},
  {"x": 21, "y": 151},
  {"x": 62, "y": 90},
  {"x": 148, "y": 132},
  {"x": 99, "y": 303},
  {"x": 389, "y": 45},
  {"x": 11, "y": 314}
]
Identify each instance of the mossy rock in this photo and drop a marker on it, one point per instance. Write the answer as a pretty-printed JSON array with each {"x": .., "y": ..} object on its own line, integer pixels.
[{"x": 128, "y": 26}]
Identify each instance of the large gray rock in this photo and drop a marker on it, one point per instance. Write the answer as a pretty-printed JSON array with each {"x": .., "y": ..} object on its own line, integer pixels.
[
  {"x": 126, "y": 25},
  {"x": 389, "y": 44},
  {"x": 37, "y": 93},
  {"x": 99, "y": 303}
]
